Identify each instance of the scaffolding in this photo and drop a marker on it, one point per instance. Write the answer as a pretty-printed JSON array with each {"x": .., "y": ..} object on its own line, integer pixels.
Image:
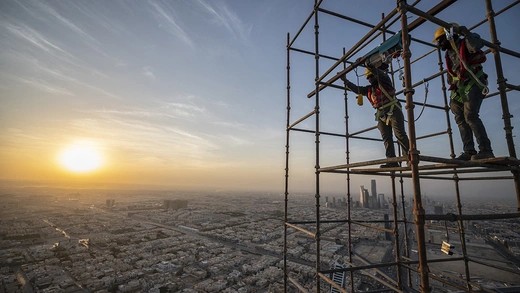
[{"x": 408, "y": 264}]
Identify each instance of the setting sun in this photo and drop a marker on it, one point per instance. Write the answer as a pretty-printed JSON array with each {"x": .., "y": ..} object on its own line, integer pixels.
[{"x": 80, "y": 158}]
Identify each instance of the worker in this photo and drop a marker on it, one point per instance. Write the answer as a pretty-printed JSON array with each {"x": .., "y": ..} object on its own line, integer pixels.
[
  {"x": 468, "y": 86},
  {"x": 381, "y": 94}
]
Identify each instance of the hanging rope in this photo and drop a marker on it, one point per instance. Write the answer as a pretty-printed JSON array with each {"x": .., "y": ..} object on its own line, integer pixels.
[
  {"x": 401, "y": 72},
  {"x": 426, "y": 85}
]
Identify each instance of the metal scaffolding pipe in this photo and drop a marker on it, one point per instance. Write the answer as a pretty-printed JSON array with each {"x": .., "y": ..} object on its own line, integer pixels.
[
  {"x": 418, "y": 209},
  {"x": 434, "y": 168},
  {"x": 506, "y": 115},
  {"x": 454, "y": 217}
]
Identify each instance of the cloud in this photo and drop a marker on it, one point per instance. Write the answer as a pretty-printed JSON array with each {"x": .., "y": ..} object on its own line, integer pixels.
[
  {"x": 49, "y": 73},
  {"x": 42, "y": 85},
  {"x": 148, "y": 73},
  {"x": 86, "y": 38},
  {"x": 166, "y": 143},
  {"x": 184, "y": 110},
  {"x": 164, "y": 15},
  {"x": 224, "y": 17},
  {"x": 36, "y": 39}
]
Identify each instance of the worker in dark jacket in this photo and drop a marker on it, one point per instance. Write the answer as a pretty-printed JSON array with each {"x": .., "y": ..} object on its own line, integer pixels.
[
  {"x": 468, "y": 86},
  {"x": 381, "y": 94}
]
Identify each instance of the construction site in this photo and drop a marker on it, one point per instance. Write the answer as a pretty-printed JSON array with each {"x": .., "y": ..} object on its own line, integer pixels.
[{"x": 410, "y": 261}]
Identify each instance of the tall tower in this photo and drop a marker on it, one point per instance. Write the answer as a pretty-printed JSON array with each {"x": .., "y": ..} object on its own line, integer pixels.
[
  {"x": 373, "y": 194},
  {"x": 381, "y": 200},
  {"x": 366, "y": 199},
  {"x": 361, "y": 194}
]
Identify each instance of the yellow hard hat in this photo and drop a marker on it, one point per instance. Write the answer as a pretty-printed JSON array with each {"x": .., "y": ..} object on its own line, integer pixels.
[
  {"x": 367, "y": 72},
  {"x": 440, "y": 31}
]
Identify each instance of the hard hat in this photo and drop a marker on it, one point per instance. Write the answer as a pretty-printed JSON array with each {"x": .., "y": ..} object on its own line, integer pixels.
[
  {"x": 367, "y": 72},
  {"x": 440, "y": 31}
]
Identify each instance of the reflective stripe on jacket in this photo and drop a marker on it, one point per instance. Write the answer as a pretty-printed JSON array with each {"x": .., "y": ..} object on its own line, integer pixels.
[{"x": 377, "y": 98}]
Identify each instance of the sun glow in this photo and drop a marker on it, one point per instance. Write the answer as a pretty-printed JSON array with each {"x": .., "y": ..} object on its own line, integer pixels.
[{"x": 81, "y": 158}]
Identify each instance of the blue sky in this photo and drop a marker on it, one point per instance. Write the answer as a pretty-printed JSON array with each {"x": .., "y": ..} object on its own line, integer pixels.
[{"x": 193, "y": 93}]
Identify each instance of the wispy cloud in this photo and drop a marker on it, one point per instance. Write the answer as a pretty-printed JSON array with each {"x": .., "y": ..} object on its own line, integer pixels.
[
  {"x": 45, "y": 72},
  {"x": 184, "y": 110},
  {"x": 36, "y": 39},
  {"x": 86, "y": 38},
  {"x": 42, "y": 85},
  {"x": 223, "y": 16},
  {"x": 233, "y": 125},
  {"x": 164, "y": 14},
  {"x": 148, "y": 72},
  {"x": 167, "y": 143}
]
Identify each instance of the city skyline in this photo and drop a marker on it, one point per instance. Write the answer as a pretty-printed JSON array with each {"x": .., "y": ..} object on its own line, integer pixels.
[
  {"x": 96, "y": 241},
  {"x": 192, "y": 95}
]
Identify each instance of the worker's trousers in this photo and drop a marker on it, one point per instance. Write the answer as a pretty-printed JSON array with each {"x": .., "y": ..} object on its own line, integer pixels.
[
  {"x": 468, "y": 119},
  {"x": 396, "y": 123}
]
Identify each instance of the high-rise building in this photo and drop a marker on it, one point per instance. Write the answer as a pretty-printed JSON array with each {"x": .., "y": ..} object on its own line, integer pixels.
[
  {"x": 361, "y": 194},
  {"x": 373, "y": 193},
  {"x": 175, "y": 204},
  {"x": 110, "y": 203},
  {"x": 381, "y": 200},
  {"x": 366, "y": 199}
]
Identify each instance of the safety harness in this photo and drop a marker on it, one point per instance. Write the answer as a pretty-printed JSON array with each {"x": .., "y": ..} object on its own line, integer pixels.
[
  {"x": 460, "y": 87},
  {"x": 460, "y": 94},
  {"x": 392, "y": 102}
]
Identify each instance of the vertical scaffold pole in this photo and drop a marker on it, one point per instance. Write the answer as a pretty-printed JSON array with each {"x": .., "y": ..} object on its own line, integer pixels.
[
  {"x": 317, "y": 142},
  {"x": 501, "y": 80},
  {"x": 349, "y": 200},
  {"x": 418, "y": 209},
  {"x": 286, "y": 191}
]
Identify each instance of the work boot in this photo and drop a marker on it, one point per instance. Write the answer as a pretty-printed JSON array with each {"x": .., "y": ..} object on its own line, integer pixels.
[
  {"x": 390, "y": 165},
  {"x": 466, "y": 156},
  {"x": 482, "y": 155}
]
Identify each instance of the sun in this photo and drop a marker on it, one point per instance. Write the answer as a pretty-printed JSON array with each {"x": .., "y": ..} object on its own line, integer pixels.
[{"x": 81, "y": 158}]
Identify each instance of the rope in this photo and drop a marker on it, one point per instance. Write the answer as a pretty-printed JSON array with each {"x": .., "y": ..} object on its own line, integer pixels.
[
  {"x": 401, "y": 72},
  {"x": 426, "y": 85}
]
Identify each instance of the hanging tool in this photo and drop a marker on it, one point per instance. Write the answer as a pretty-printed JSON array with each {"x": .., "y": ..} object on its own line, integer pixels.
[{"x": 359, "y": 96}]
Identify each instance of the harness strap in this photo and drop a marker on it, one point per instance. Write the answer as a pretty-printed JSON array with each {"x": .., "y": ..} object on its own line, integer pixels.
[
  {"x": 393, "y": 103},
  {"x": 461, "y": 94}
]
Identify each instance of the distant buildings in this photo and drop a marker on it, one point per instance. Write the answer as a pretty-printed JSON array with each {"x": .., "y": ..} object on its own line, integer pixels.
[
  {"x": 175, "y": 204},
  {"x": 373, "y": 200},
  {"x": 364, "y": 197},
  {"x": 373, "y": 189},
  {"x": 110, "y": 203}
]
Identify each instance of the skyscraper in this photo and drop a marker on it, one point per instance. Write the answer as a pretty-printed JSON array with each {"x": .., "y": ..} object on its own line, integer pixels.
[
  {"x": 110, "y": 203},
  {"x": 361, "y": 194},
  {"x": 381, "y": 200},
  {"x": 373, "y": 193}
]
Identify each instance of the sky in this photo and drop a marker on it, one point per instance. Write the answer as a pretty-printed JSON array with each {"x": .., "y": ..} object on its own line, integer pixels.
[{"x": 193, "y": 93}]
